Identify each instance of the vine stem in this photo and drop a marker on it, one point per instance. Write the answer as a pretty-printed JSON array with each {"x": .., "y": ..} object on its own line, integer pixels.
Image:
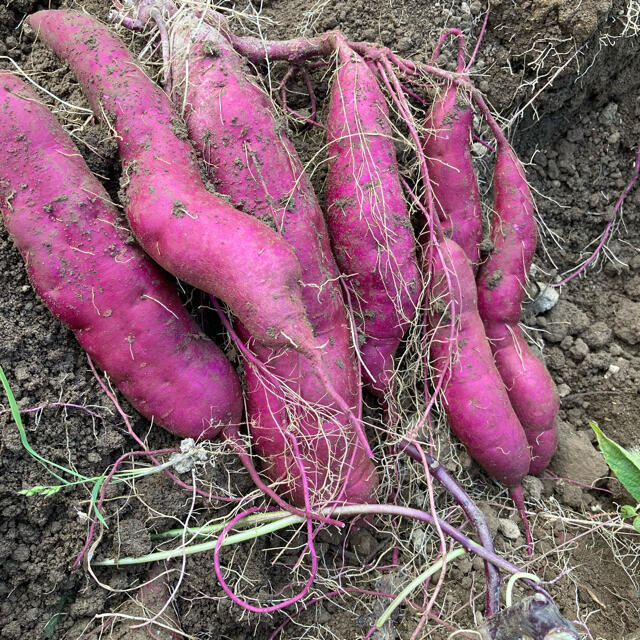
[
  {"x": 416, "y": 582},
  {"x": 473, "y": 513},
  {"x": 276, "y": 520}
]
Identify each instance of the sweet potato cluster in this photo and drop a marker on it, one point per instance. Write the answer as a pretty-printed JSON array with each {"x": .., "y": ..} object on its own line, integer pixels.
[{"x": 320, "y": 301}]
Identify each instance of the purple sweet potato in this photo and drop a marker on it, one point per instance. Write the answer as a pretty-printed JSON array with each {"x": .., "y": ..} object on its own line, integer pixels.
[
  {"x": 122, "y": 308},
  {"x": 475, "y": 399},
  {"x": 126, "y": 622},
  {"x": 336, "y": 466},
  {"x": 250, "y": 159},
  {"x": 190, "y": 231},
  {"x": 501, "y": 284},
  {"x": 153, "y": 597},
  {"x": 447, "y": 147},
  {"x": 368, "y": 220}
]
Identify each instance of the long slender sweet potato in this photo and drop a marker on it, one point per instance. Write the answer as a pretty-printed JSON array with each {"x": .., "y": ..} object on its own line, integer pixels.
[
  {"x": 501, "y": 281},
  {"x": 120, "y": 305},
  {"x": 368, "y": 220},
  {"x": 190, "y": 231},
  {"x": 249, "y": 158},
  {"x": 447, "y": 148},
  {"x": 474, "y": 396}
]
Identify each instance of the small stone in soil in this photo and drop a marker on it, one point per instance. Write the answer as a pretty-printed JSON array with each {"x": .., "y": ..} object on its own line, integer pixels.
[
  {"x": 532, "y": 487},
  {"x": 545, "y": 300},
  {"x": 508, "y": 528},
  {"x": 576, "y": 458},
  {"x": 612, "y": 370}
]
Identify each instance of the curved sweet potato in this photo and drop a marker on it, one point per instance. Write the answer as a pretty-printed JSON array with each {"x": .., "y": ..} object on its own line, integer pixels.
[
  {"x": 120, "y": 305},
  {"x": 501, "y": 282},
  {"x": 190, "y": 231}
]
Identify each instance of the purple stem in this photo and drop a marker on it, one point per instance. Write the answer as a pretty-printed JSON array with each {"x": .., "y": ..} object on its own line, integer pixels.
[
  {"x": 297, "y": 50},
  {"x": 472, "y": 512},
  {"x": 518, "y": 499},
  {"x": 302, "y": 49},
  {"x": 127, "y": 22},
  {"x": 443, "y": 36},
  {"x": 166, "y": 47},
  {"x": 477, "y": 138},
  {"x": 608, "y": 228},
  {"x": 416, "y": 514},
  {"x": 477, "y": 47},
  {"x": 310, "y": 120}
]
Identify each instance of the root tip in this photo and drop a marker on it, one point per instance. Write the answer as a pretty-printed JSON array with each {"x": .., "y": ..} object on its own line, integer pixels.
[{"x": 518, "y": 499}]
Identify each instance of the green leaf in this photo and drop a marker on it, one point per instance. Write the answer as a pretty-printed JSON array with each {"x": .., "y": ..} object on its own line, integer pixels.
[
  {"x": 627, "y": 511},
  {"x": 636, "y": 524},
  {"x": 50, "y": 627},
  {"x": 625, "y": 464},
  {"x": 94, "y": 499}
]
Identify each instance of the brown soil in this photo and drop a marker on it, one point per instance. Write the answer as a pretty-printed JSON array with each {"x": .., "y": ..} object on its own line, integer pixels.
[{"x": 579, "y": 136}]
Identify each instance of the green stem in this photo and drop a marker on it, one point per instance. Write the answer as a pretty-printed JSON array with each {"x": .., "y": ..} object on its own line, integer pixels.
[
  {"x": 255, "y": 532},
  {"x": 206, "y": 530},
  {"x": 415, "y": 583},
  {"x": 15, "y": 413}
]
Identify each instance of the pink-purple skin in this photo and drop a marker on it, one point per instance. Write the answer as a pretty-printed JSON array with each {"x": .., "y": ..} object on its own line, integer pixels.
[
  {"x": 121, "y": 307},
  {"x": 336, "y": 466},
  {"x": 475, "y": 399},
  {"x": 368, "y": 221},
  {"x": 501, "y": 284},
  {"x": 153, "y": 596},
  {"x": 250, "y": 158},
  {"x": 447, "y": 147},
  {"x": 191, "y": 232}
]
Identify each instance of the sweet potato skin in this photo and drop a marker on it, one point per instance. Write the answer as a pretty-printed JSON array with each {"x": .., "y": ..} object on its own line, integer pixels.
[
  {"x": 501, "y": 285},
  {"x": 367, "y": 217},
  {"x": 336, "y": 466},
  {"x": 250, "y": 158},
  {"x": 447, "y": 147},
  {"x": 475, "y": 399},
  {"x": 188, "y": 230},
  {"x": 121, "y": 307}
]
